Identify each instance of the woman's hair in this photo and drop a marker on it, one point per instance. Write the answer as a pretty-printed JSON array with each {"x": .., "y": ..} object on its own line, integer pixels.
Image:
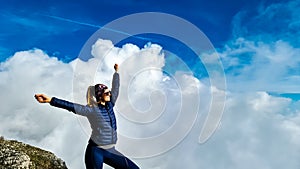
[
  {"x": 94, "y": 94},
  {"x": 90, "y": 96}
]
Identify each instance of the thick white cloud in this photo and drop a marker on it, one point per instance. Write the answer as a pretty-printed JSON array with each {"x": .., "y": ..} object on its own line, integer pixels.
[
  {"x": 22, "y": 118},
  {"x": 257, "y": 130},
  {"x": 254, "y": 133}
]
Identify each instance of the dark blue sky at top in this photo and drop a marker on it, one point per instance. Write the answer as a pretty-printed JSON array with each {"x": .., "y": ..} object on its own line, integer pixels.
[
  {"x": 26, "y": 24},
  {"x": 29, "y": 24}
]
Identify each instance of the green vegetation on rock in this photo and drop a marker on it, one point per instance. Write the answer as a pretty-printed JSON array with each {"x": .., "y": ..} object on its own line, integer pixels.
[{"x": 17, "y": 155}]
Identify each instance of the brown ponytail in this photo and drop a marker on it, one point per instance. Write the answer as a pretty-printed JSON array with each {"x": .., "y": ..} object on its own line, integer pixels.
[{"x": 90, "y": 96}]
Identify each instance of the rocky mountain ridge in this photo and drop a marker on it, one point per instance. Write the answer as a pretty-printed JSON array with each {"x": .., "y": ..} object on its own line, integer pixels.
[{"x": 17, "y": 155}]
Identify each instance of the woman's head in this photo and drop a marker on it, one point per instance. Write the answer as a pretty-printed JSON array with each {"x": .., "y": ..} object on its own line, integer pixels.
[{"x": 97, "y": 94}]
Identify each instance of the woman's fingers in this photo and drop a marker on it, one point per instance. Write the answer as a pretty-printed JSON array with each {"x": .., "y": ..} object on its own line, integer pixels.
[{"x": 42, "y": 98}]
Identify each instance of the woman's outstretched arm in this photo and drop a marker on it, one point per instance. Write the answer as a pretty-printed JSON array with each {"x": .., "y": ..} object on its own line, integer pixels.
[{"x": 73, "y": 107}]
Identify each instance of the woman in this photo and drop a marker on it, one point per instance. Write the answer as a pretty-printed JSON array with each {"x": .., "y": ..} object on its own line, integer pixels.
[{"x": 99, "y": 111}]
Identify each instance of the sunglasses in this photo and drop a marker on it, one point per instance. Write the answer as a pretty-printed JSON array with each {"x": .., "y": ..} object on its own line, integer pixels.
[{"x": 107, "y": 93}]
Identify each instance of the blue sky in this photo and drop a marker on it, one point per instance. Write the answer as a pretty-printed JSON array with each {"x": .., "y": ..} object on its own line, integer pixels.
[
  {"x": 61, "y": 28},
  {"x": 27, "y": 25}
]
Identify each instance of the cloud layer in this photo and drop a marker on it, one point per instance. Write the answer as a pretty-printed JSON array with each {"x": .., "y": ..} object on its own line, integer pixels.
[{"x": 257, "y": 129}]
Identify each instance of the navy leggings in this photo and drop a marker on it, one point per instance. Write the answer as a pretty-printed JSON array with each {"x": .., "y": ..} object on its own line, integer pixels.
[{"x": 95, "y": 157}]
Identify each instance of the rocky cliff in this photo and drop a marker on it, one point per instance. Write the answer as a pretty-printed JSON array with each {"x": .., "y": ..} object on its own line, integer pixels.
[{"x": 17, "y": 155}]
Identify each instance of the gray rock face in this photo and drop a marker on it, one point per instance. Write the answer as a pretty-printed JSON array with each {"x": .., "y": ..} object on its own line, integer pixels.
[{"x": 17, "y": 155}]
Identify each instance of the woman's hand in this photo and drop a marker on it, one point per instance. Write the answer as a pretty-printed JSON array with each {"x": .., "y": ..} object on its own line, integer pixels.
[
  {"x": 41, "y": 98},
  {"x": 116, "y": 67}
]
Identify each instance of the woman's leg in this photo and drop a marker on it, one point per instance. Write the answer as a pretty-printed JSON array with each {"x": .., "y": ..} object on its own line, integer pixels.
[
  {"x": 88, "y": 157},
  {"x": 93, "y": 157},
  {"x": 97, "y": 154},
  {"x": 115, "y": 159}
]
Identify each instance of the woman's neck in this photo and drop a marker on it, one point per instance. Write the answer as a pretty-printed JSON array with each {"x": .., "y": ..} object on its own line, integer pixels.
[{"x": 102, "y": 103}]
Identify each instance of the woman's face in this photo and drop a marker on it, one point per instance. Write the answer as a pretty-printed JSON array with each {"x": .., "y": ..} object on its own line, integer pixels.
[{"x": 106, "y": 95}]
